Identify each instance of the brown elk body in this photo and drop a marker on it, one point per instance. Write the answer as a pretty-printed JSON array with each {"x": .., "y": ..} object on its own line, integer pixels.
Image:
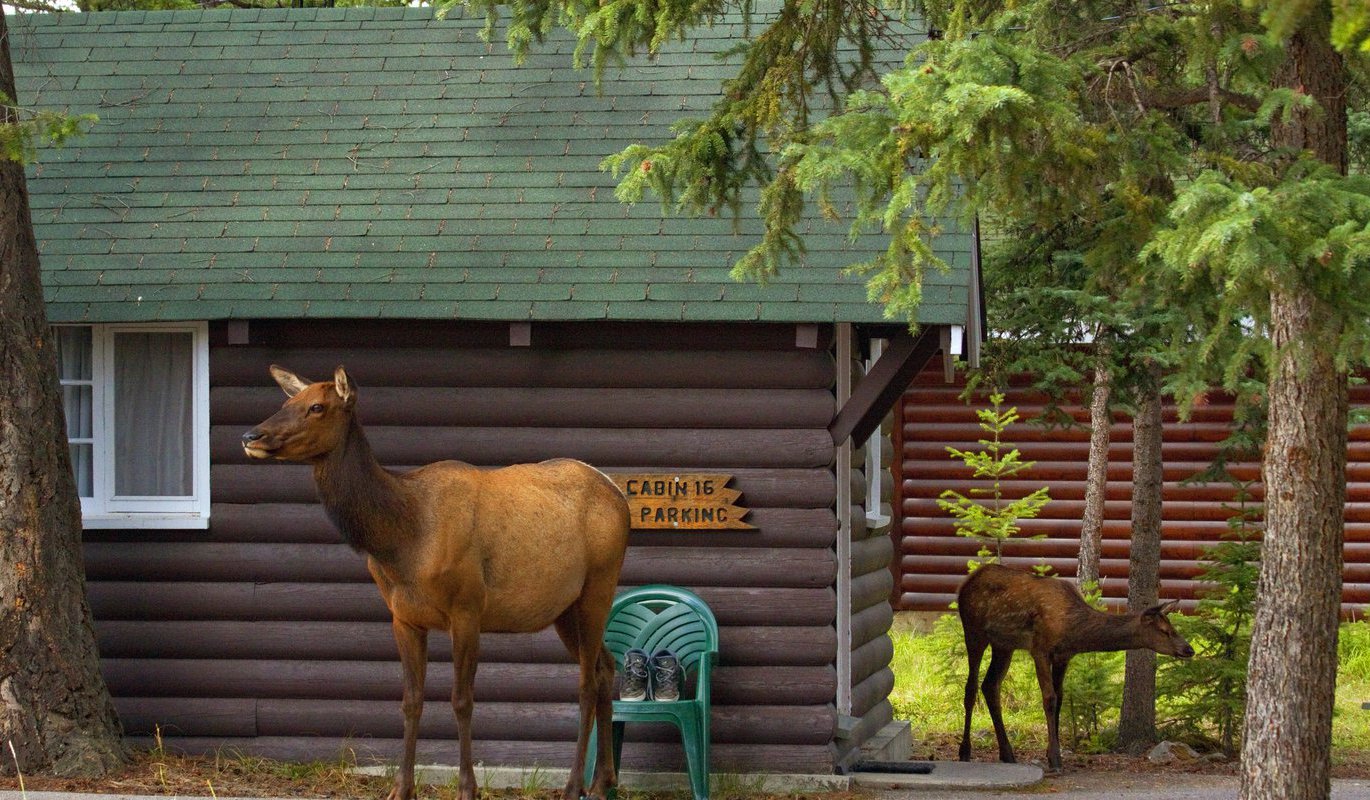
[
  {"x": 1006, "y": 610},
  {"x": 464, "y": 550}
]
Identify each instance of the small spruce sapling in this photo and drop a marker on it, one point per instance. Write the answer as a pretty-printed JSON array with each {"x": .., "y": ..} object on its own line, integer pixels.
[
  {"x": 993, "y": 520},
  {"x": 1203, "y": 699}
]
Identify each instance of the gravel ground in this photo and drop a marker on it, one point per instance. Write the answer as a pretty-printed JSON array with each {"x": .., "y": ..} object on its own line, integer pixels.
[{"x": 1117, "y": 786}]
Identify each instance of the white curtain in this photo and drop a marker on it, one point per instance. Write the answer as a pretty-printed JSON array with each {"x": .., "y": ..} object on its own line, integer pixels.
[
  {"x": 74, "y": 363},
  {"x": 153, "y": 403}
]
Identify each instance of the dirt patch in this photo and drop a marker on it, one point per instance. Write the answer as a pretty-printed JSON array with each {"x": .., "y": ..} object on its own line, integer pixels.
[{"x": 246, "y": 776}]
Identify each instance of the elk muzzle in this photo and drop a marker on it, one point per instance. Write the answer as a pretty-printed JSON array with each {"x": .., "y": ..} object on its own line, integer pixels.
[{"x": 254, "y": 446}]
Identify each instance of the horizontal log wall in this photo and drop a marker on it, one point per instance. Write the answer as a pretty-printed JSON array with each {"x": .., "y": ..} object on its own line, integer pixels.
[
  {"x": 932, "y": 558},
  {"x": 265, "y": 634}
]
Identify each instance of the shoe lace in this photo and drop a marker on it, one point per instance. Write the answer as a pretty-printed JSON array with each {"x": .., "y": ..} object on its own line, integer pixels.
[
  {"x": 635, "y": 667},
  {"x": 668, "y": 673}
]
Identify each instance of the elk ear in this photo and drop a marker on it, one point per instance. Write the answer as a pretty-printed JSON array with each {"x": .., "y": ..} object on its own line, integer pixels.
[
  {"x": 1161, "y": 609},
  {"x": 290, "y": 382},
  {"x": 343, "y": 386}
]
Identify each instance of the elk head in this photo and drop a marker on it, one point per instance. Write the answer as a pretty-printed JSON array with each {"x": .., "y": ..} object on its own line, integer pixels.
[
  {"x": 313, "y": 421},
  {"x": 1159, "y": 635}
]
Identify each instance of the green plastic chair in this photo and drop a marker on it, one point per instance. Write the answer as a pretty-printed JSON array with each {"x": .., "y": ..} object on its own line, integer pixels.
[{"x": 654, "y": 618}]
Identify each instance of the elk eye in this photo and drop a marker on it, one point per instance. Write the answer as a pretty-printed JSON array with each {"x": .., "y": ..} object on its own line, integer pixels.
[{"x": 317, "y": 408}]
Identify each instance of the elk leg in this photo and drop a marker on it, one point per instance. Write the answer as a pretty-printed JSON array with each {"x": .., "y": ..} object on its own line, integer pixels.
[
  {"x": 465, "y": 655},
  {"x": 582, "y": 633},
  {"x": 1058, "y": 681},
  {"x": 1051, "y": 706},
  {"x": 999, "y": 660},
  {"x": 413, "y": 647},
  {"x": 975, "y": 650}
]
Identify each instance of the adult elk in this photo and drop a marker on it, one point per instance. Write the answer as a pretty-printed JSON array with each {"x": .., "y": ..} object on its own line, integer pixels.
[
  {"x": 466, "y": 550},
  {"x": 1006, "y": 610}
]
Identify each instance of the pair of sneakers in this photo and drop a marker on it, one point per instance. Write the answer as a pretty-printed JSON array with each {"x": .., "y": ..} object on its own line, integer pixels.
[{"x": 654, "y": 677}]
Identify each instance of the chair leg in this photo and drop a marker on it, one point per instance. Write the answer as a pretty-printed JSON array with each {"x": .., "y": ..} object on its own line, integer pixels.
[
  {"x": 696, "y": 757},
  {"x": 618, "y": 743},
  {"x": 591, "y": 756}
]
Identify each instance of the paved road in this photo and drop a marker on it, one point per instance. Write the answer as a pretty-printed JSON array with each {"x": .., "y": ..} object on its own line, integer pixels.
[{"x": 1116, "y": 786}]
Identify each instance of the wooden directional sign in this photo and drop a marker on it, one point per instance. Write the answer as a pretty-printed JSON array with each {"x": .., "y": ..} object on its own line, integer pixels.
[{"x": 683, "y": 501}]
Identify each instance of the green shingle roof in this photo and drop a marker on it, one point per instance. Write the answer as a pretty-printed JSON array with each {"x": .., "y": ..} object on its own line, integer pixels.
[{"x": 380, "y": 162}]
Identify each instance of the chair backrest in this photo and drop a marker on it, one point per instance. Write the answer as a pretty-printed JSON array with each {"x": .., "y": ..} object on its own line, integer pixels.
[{"x": 659, "y": 617}]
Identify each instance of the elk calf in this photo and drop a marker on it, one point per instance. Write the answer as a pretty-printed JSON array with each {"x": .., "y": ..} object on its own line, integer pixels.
[{"x": 1006, "y": 610}]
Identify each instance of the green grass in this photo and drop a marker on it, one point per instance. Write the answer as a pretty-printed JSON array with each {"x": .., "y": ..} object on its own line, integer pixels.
[
  {"x": 1351, "y": 723},
  {"x": 930, "y": 674}
]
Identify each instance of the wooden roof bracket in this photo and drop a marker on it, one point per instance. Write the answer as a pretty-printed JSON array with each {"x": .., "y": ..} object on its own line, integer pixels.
[{"x": 904, "y": 357}]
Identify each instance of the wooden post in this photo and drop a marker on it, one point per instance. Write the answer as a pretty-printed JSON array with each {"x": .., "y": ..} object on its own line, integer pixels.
[{"x": 843, "y": 361}]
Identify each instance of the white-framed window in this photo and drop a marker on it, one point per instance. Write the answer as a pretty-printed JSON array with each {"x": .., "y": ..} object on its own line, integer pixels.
[{"x": 136, "y": 398}]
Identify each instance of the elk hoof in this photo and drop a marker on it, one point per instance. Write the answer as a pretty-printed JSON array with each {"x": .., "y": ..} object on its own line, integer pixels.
[{"x": 398, "y": 792}]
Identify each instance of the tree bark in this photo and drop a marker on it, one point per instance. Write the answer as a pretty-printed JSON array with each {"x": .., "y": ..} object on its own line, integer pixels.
[
  {"x": 54, "y": 708},
  {"x": 1137, "y": 720},
  {"x": 1096, "y": 481},
  {"x": 1292, "y": 672}
]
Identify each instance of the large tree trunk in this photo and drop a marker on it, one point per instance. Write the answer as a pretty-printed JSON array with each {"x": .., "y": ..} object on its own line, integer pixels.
[
  {"x": 1293, "y": 667},
  {"x": 54, "y": 708},
  {"x": 1137, "y": 720},
  {"x": 1096, "y": 481}
]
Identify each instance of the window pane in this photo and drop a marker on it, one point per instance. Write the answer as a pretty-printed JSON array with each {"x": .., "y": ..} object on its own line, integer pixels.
[
  {"x": 73, "y": 353},
  {"x": 83, "y": 465},
  {"x": 76, "y": 402},
  {"x": 153, "y": 398}
]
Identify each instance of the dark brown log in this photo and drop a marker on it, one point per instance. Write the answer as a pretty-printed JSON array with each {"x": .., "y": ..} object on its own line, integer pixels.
[
  {"x": 176, "y": 561},
  {"x": 775, "y": 527},
  {"x": 187, "y": 716},
  {"x": 872, "y": 721},
  {"x": 871, "y": 692},
  {"x": 721, "y": 566},
  {"x": 871, "y": 588},
  {"x": 381, "y": 680},
  {"x": 362, "y": 333},
  {"x": 516, "y": 367},
  {"x": 716, "y": 450},
  {"x": 366, "y": 641},
  {"x": 307, "y": 523},
  {"x": 871, "y": 555},
  {"x": 361, "y": 602},
  {"x": 871, "y": 623},
  {"x": 636, "y": 755},
  {"x": 135, "y": 600},
  {"x": 803, "y": 725},
  {"x": 242, "y": 483},
  {"x": 688, "y": 566},
  {"x": 871, "y": 657},
  {"x": 543, "y": 407}
]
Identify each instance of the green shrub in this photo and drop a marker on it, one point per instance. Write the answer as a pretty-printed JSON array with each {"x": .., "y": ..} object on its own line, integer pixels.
[
  {"x": 1202, "y": 700},
  {"x": 1093, "y": 693}
]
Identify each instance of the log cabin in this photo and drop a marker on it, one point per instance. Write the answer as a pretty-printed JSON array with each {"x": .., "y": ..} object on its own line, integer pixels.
[{"x": 383, "y": 189}]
